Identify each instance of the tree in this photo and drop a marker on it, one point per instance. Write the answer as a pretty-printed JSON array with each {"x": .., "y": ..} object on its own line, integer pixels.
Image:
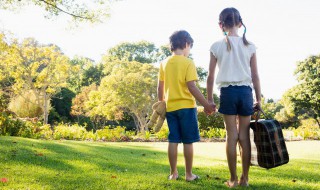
[
  {"x": 41, "y": 69},
  {"x": 306, "y": 95},
  {"x": 62, "y": 102},
  {"x": 143, "y": 52},
  {"x": 87, "y": 73},
  {"x": 129, "y": 88},
  {"x": 79, "y": 11}
]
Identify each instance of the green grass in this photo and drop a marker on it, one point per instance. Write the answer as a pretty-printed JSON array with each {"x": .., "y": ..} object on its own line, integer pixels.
[{"x": 46, "y": 164}]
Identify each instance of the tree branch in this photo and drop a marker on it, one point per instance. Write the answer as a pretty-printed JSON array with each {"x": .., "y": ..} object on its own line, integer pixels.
[{"x": 66, "y": 12}]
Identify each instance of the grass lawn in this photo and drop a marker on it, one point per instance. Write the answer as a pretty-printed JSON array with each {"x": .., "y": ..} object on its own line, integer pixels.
[{"x": 46, "y": 164}]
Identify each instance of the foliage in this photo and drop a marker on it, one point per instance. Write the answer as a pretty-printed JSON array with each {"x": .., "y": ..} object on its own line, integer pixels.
[
  {"x": 87, "y": 73},
  {"x": 10, "y": 126},
  {"x": 130, "y": 87},
  {"x": 112, "y": 134},
  {"x": 287, "y": 116},
  {"x": 62, "y": 102},
  {"x": 79, "y": 11},
  {"x": 164, "y": 132},
  {"x": 307, "y": 130},
  {"x": 42, "y": 69},
  {"x": 214, "y": 121},
  {"x": 213, "y": 133},
  {"x": 306, "y": 95},
  {"x": 142, "y": 52},
  {"x": 73, "y": 132},
  {"x": 270, "y": 108},
  {"x": 25, "y": 106}
]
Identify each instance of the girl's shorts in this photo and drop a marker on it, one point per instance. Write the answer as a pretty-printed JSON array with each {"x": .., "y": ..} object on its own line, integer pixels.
[
  {"x": 236, "y": 100},
  {"x": 183, "y": 126}
]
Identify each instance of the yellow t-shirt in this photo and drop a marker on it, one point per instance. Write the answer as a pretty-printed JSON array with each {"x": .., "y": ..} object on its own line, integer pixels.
[{"x": 176, "y": 71}]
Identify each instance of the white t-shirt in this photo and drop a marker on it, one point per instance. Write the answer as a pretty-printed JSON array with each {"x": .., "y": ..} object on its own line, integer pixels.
[{"x": 234, "y": 65}]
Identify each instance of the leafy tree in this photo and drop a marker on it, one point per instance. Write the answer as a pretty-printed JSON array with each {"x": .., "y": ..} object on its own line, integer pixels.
[
  {"x": 286, "y": 115},
  {"x": 78, "y": 102},
  {"x": 90, "y": 11},
  {"x": 306, "y": 95},
  {"x": 130, "y": 88},
  {"x": 143, "y": 52},
  {"x": 62, "y": 102},
  {"x": 40, "y": 68},
  {"x": 87, "y": 73}
]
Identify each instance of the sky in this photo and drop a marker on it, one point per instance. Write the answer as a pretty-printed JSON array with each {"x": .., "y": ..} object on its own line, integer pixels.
[{"x": 284, "y": 32}]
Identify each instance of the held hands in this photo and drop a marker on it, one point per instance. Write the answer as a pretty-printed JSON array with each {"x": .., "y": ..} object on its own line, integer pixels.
[{"x": 210, "y": 108}]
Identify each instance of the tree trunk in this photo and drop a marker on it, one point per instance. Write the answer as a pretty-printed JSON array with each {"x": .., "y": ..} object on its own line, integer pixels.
[
  {"x": 136, "y": 122},
  {"x": 45, "y": 109},
  {"x": 317, "y": 120}
]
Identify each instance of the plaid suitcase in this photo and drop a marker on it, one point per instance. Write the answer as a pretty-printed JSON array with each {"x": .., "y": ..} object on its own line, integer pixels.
[{"x": 271, "y": 147}]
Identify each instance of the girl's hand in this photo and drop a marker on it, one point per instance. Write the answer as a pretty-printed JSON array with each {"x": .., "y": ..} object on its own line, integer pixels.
[{"x": 257, "y": 106}]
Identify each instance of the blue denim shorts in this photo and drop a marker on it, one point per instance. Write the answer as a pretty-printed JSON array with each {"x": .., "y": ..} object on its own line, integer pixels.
[
  {"x": 236, "y": 100},
  {"x": 183, "y": 126}
]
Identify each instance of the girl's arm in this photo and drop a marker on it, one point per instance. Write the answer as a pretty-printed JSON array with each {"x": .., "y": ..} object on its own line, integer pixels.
[
  {"x": 160, "y": 90},
  {"x": 255, "y": 78},
  {"x": 210, "y": 79}
]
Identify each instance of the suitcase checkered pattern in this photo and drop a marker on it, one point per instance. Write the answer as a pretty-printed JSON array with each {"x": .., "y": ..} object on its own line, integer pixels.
[{"x": 271, "y": 147}]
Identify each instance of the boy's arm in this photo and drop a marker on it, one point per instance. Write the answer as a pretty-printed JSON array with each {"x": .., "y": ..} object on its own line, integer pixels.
[
  {"x": 198, "y": 95},
  {"x": 210, "y": 78},
  {"x": 255, "y": 78},
  {"x": 160, "y": 90}
]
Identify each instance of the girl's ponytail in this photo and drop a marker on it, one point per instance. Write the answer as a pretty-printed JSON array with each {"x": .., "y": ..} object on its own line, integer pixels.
[
  {"x": 227, "y": 40},
  {"x": 245, "y": 41}
]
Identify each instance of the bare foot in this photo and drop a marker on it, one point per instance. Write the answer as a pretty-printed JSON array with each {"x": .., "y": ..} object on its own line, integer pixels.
[
  {"x": 173, "y": 177},
  {"x": 231, "y": 184},
  {"x": 243, "y": 182},
  {"x": 193, "y": 178}
]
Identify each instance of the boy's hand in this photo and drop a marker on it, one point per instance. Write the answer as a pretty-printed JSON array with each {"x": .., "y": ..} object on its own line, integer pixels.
[{"x": 210, "y": 109}]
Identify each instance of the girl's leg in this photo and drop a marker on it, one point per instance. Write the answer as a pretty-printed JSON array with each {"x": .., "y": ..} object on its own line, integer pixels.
[
  {"x": 188, "y": 156},
  {"x": 244, "y": 140},
  {"x": 231, "y": 147},
  {"x": 173, "y": 155}
]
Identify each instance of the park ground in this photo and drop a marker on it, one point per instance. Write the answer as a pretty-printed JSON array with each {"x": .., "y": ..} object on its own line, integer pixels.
[{"x": 63, "y": 164}]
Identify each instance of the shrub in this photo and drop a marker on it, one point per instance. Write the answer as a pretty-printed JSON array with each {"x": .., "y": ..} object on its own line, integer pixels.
[
  {"x": 10, "y": 126},
  {"x": 164, "y": 132},
  {"x": 214, "y": 121},
  {"x": 308, "y": 130},
  {"x": 115, "y": 134},
  {"x": 213, "y": 133},
  {"x": 73, "y": 132}
]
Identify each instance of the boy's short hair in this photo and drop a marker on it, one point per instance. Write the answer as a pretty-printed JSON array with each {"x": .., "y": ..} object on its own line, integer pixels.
[{"x": 179, "y": 39}]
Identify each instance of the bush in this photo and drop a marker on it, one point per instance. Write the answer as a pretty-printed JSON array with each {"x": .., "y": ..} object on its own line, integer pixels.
[
  {"x": 308, "y": 130},
  {"x": 213, "y": 121},
  {"x": 10, "y": 126},
  {"x": 73, "y": 132},
  {"x": 109, "y": 134},
  {"x": 163, "y": 133},
  {"x": 213, "y": 133}
]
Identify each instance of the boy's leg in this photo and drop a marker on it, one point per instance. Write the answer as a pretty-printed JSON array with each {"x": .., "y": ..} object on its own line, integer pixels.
[
  {"x": 231, "y": 145},
  {"x": 173, "y": 155},
  {"x": 244, "y": 140},
  {"x": 188, "y": 157}
]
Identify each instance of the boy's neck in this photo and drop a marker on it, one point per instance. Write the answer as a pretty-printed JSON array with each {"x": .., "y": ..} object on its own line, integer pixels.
[{"x": 178, "y": 52}]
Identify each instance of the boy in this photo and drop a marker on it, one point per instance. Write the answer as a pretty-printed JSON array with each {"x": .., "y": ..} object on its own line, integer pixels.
[{"x": 177, "y": 76}]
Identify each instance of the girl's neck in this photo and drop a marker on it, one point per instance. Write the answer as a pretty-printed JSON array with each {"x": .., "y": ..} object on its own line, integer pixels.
[{"x": 233, "y": 32}]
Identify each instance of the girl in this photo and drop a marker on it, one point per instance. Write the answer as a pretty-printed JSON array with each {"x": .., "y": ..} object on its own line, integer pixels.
[{"x": 238, "y": 74}]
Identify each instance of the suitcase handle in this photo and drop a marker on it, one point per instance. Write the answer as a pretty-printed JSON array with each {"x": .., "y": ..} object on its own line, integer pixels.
[{"x": 258, "y": 111}]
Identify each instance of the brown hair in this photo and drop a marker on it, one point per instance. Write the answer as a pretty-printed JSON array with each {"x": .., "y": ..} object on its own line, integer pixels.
[
  {"x": 179, "y": 39},
  {"x": 230, "y": 17}
]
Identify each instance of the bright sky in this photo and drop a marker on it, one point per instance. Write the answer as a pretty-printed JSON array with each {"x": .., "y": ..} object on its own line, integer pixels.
[{"x": 284, "y": 31}]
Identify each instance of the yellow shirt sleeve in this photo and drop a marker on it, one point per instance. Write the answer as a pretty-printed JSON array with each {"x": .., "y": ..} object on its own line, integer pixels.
[
  {"x": 161, "y": 73},
  {"x": 191, "y": 74}
]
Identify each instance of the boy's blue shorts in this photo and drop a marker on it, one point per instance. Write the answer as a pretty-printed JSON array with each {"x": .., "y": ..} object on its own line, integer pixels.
[
  {"x": 183, "y": 126},
  {"x": 236, "y": 100}
]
